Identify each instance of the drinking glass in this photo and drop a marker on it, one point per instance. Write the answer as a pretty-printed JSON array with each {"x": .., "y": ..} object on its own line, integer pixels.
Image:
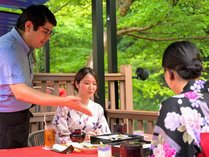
[
  {"x": 131, "y": 150},
  {"x": 49, "y": 136},
  {"x": 104, "y": 151}
]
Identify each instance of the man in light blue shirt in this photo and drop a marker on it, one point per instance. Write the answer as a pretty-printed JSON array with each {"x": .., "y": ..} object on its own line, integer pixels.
[
  {"x": 33, "y": 29},
  {"x": 16, "y": 67}
]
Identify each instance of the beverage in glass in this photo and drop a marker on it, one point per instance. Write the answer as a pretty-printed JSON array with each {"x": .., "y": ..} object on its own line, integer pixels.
[
  {"x": 49, "y": 136},
  {"x": 131, "y": 150}
]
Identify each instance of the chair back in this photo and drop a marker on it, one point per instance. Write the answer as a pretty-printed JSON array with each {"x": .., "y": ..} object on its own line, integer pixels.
[{"x": 36, "y": 138}]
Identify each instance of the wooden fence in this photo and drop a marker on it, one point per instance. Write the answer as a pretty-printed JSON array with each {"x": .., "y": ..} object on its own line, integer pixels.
[
  {"x": 135, "y": 120},
  {"x": 48, "y": 82}
]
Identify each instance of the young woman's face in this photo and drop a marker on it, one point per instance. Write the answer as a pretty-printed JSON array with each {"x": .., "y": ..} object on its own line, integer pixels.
[{"x": 87, "y": 86}]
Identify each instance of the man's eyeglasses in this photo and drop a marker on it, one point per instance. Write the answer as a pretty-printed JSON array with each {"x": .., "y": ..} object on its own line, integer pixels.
[{"x": 47, "y": 31}]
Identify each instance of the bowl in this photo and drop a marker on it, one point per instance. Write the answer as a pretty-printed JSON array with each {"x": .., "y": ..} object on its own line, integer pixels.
[{"x": 77, "y": 136}]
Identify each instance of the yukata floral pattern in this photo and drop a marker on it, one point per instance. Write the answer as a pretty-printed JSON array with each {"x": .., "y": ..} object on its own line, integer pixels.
[
  {"x": 181, "y": 120},
  {"x": 67, "y": 120}
]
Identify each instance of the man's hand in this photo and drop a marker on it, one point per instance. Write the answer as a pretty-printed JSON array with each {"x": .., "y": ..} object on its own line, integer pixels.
[
  {"x": 27, "y": 94},
  {"x": 75, "y": 103}
]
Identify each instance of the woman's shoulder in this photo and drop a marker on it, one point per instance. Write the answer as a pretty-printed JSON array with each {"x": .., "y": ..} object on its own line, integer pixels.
[
  {"x": 62, "y": 109},
  {"x": 173, "y": 99},
  {"x": 93, "y": 104},
  {"x": 173, "y": 104}
]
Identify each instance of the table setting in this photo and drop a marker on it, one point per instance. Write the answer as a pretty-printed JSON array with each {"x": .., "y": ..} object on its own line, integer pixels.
[{"x": 106, "y": 145}]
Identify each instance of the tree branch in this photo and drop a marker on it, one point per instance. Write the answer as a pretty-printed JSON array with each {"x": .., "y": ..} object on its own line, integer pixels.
[
  {"x": 137, "y": 29},
  {"x": 60, "y": 8},
  {"x": 168, "y": 39}
]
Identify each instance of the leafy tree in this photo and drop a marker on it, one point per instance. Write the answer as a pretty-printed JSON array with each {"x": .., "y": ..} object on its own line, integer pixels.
[
  {"x": 144, "y": 32},
  {"x": 144, "y": 29},
  {"x": 71, "y": 44}
]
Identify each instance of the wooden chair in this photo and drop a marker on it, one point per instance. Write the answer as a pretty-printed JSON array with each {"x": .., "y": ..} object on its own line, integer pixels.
[{"x": 36, "y": 138}]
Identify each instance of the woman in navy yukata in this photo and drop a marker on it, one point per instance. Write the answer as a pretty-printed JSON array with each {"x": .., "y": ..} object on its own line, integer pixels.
[{"x": 183, "y": 117}]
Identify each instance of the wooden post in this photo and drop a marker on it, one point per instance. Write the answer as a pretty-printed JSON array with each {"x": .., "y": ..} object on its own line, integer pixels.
[{"x": 128, "y": 96}]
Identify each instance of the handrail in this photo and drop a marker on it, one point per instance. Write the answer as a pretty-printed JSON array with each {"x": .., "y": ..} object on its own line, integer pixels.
[
  {"x": 37, "y": 121},
  {"x": 135, "y": 119},
  {"x": 70, "y": 77}
]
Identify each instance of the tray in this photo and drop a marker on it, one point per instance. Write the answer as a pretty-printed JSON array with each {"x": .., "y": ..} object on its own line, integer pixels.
[{"x": 115, "y": 138}]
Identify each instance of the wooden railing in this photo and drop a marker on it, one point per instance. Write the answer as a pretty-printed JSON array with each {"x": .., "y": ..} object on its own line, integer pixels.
[
  {"x": 47, "y": 81},
  {"x": 126, "y": 114},
  {"x": 135, "y": 120},
  {"x": 36, "y": 122}
]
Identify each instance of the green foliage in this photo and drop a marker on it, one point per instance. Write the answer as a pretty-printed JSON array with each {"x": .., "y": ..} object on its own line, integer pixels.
[
  {"x": 39, "y": 60},
  {"x": 72, "y": 43},
  {"x": 68, "y": 59},
  {"x": 158, "y": 23},
  {"x": 184, "y": 21},
  {"x": 10, "y": 10}
]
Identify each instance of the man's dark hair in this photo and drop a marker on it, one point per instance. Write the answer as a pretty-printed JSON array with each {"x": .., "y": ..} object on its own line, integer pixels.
[{"x": 38, "y": 15}]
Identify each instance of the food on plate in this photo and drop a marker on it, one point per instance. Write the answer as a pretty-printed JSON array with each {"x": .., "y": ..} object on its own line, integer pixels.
[
  {"x": 114, "y": 137},
  {"x": 84, "y": 146},
  {"x": 61, "y": 148}
]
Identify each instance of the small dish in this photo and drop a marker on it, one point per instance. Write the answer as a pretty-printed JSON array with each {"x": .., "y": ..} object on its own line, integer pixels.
[
  {"x": 62, "y": 148},
  {"x": 84, "y": 147},
  {"x": 77, "y": 136}
]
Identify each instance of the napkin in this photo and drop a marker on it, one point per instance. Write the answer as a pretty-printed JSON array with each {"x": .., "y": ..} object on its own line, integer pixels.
[{"x": 204, "y": 142}]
